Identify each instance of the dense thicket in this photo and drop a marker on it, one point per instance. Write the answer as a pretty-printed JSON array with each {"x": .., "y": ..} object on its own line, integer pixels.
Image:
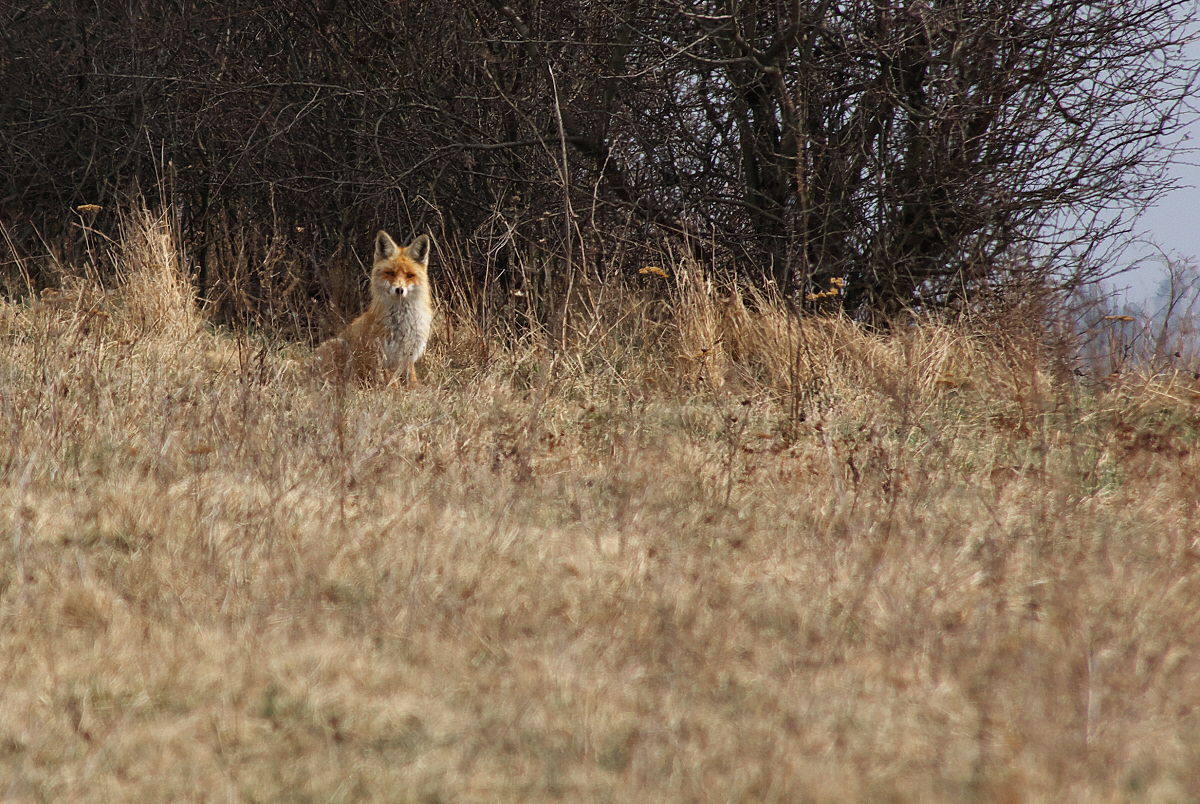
[{"x": 921, "y": 151}]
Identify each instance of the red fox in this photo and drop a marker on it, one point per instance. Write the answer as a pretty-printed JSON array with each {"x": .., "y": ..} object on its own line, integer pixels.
[{"x": 390, "y": 336}]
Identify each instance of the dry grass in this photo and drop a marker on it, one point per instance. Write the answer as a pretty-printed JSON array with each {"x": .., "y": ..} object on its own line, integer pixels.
[{"x": 704, "y": 554}]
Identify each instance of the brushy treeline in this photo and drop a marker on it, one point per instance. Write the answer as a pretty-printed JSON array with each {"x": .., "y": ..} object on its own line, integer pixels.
[{"x": 922, "y": 153}]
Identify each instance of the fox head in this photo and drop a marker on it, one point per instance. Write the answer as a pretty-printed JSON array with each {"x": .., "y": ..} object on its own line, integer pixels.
[{"x": 398, "y": 271}]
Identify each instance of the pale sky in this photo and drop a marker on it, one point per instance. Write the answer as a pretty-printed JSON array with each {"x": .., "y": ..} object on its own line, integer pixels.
[{"x": 1173, "y": 225}]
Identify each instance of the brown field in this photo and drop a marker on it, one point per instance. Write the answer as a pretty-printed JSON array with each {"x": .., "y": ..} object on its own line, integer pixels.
[{"x": 684, "y": 553}]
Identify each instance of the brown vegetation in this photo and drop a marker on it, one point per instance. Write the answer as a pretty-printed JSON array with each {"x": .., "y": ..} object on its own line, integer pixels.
[
  {"x": 698, "y": 550},
  {"x": 923, "y": 152}
]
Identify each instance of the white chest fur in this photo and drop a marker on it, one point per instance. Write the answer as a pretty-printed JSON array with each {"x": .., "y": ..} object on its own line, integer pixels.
[{"x": 407, "y": 322}]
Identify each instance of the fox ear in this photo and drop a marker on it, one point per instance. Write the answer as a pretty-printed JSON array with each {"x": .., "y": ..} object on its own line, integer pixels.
[
  {"x": 418, "y": 250},
  {"x": 385, "y": 246}
]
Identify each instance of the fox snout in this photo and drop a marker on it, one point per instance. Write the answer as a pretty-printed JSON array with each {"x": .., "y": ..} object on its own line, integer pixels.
[{"x": 398, "y": 290}]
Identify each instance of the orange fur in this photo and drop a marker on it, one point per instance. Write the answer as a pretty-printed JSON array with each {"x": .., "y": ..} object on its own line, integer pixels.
[{"x": 391, "y": 335}]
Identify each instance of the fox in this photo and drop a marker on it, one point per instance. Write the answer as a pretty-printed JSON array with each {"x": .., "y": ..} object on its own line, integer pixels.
[{"x": 390, "y": 337}]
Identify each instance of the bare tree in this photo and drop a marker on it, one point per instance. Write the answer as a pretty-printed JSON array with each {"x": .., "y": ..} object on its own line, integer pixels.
[
  {"x": 910, "y": 148},
  {"x": 919, "y": 151}
]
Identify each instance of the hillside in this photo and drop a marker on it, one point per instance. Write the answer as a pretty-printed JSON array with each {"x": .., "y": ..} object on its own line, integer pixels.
[{"x": 692, "y": 551}]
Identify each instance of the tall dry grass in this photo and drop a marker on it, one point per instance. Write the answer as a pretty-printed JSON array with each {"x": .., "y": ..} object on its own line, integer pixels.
[{"x": 706, "y": 552}]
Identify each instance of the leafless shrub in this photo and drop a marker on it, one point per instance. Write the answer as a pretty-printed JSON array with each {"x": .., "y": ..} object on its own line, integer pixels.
[{"x": 918, "y": 153}]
